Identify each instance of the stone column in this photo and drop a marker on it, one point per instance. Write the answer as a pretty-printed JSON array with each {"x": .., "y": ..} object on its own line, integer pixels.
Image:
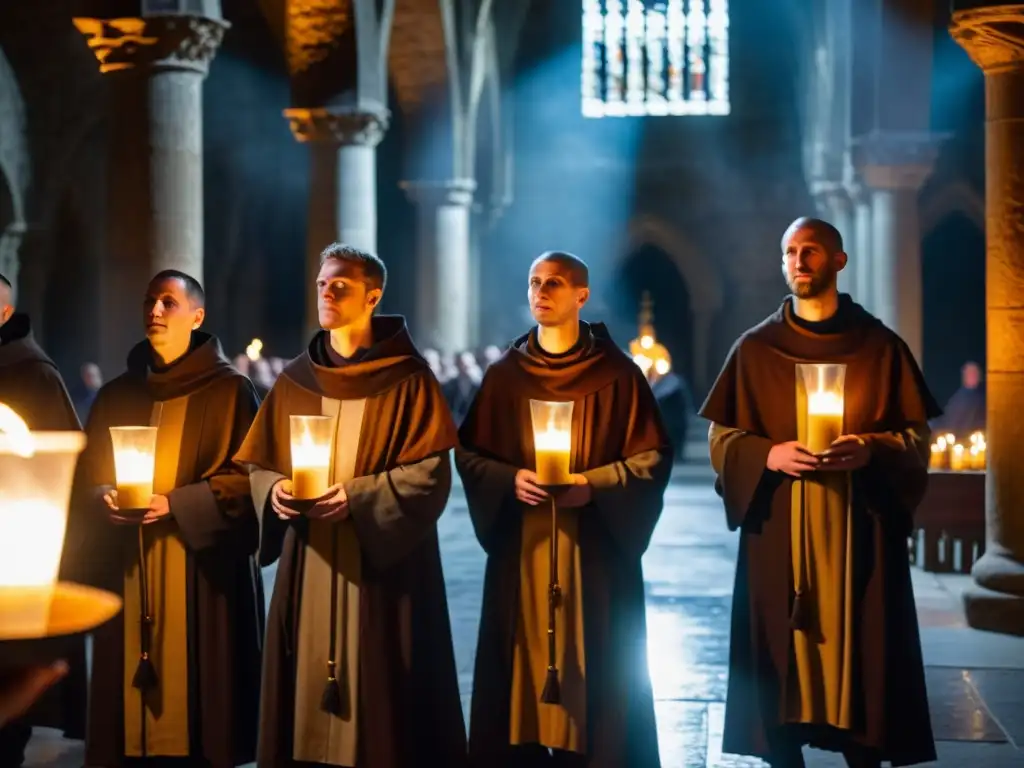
[
  {"x": 155, "y": 181},
  {"x": 994, "y": 39},
  {"x": 836, "y": 207},
  {"x": 893, "y": 167},
  {"x": 444, "y": 270},
  {"x": 342, "y": 184},
  {"x": 860, "y": 254}
]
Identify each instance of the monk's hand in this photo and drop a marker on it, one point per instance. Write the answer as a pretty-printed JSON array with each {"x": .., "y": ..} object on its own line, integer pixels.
[
  {"x": 159, "y": 508},
  {"x": 527, "y": 490},
  {"x": 282, "y": 501},
  {"x": 846, "y": 453},
  {"x": 792, "y": 459},
  {"x": 332, "y": 506},
  {"x": 21, "y": 690},
  {"x": 114, "y": 511},
  {"x": 578, "y": 494}
]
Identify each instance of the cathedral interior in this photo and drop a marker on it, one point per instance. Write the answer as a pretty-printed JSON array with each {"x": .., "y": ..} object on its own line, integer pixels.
[{"x": 668, "y": 143}]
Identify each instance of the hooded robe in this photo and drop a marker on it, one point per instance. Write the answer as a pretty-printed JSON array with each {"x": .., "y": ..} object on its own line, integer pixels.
[
  {"x": 849, "y": 673},
  {"x": 620, "y": 446},
  {"x": 32, "y": 386},
  {"x": 365, "y": 593},
  {"x": 203, "y": 587}
]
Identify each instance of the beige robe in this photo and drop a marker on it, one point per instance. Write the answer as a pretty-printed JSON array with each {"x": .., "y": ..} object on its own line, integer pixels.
[
  {"x": 322, "y": 737},
  {"x": 159, "y": 726},
  {"x": 820, "y": 690},
  {"x": 560, "y": 726}
]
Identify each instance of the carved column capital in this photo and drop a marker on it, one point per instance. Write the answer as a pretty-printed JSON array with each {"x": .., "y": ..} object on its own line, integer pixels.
[
  {"x": 993, "y": 36},
  {"x": 892, "y": 160},
  {"x": 436, "y": 193},
  {"x": 341, "y": 127},
  {"x": 158, "y": 42},
  {"x": 830, "y": 195}
]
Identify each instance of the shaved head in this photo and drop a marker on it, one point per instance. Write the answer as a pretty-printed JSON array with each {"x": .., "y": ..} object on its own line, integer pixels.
[
  {"x": 825, "y": 234},
  {"x": 575, "y": 267}
]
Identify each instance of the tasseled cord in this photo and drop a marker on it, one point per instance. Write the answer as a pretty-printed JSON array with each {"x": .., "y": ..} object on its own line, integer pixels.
[
  {"x": 334, "y": 699},
  {"x": 145, "y": 678},
  {"x": 800, "y": 616},
  {"x": 552, "y": 693}
]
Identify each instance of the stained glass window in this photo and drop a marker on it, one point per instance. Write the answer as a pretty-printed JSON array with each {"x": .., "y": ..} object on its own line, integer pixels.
[{"x": 655, "y": 57}]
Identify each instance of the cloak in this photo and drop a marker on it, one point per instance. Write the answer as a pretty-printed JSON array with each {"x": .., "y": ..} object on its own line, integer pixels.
[
  {"x": 886, "y": 400},
  {"x": 409, "y": 710},
  {"x": 620, "y": 445},
  {"x": 32, "y": 386},
  {"x": 212, "y": 513}
]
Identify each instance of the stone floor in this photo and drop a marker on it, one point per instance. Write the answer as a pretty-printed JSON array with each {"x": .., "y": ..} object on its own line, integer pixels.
[{"x": 975, "y": 679}]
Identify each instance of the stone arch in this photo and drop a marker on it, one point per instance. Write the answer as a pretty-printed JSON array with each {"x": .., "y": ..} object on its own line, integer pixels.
[
  {"x": 702, "y": 280},
  {"x": 14, "y": 169},
  {"x": 954, "y": 197}
]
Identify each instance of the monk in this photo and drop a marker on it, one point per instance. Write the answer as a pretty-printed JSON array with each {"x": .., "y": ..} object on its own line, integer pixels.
[
  {"x": 620, "y": 461},
  {"x": 176, "y": 675},
  {"x": 825, "y": 648},
  {"x": 360, "y": 668},
  {"x": 32, "y": 386}
]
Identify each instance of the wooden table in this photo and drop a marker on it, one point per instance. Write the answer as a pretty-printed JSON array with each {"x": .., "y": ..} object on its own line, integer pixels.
[{"x": 953, "y": 510}]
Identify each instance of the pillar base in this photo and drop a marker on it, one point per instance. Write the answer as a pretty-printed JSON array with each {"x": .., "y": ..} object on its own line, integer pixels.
[{"x": 995, "y": 602}]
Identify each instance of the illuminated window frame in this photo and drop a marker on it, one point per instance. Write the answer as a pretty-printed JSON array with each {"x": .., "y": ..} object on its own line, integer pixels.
[{"x": 654, "y": 58}]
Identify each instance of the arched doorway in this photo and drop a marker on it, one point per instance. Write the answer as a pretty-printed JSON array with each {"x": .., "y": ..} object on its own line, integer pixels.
[
  {"x": 651, "y": 269},
  {"x": 953, "y": 288}
]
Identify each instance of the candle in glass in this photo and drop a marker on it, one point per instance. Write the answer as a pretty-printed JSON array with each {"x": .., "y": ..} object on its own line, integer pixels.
[
  {"x": 938, "y": 457},
  {"x": 823, "y": 384},
  {"x": 36, "y": 471},
  {"x": 311, "y": 441},
  {"x": 552, "y": 441},
  {"x": 134, "y": 465}
]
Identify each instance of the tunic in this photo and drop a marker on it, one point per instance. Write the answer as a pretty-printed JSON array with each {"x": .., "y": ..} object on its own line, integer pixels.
[
  {"x": 203, "y": 588},
  {"x": 852, "y": 672},
  {"x": 619, "y": 444},
  {"x": 391, "y": 635}
]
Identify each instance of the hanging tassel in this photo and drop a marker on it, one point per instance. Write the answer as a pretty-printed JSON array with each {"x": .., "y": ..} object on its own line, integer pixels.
[
  {"x": 552, "y": 693},
  {"x": 331, "y": 700},
  {"x": 145, "y": 678},
  {"x": 800, "y": 618}
]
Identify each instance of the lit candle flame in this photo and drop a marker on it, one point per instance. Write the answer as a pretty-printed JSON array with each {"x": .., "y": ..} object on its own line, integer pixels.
[
  {"x": 254, "y": 349},
  {"x": 306, "y": 452},
  {"x": 553, "y": 439},
  {"x": 133, "y": 466},
  {"x": 661, "y": 366},
  {"x": 825, "y": 403},
  {"x": 17, "y": 431}
]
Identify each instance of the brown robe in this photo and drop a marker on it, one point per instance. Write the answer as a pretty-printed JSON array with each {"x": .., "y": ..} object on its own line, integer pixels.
[
  {"x": 620, "y": 445},
  {"x": 888, "y": 404},
  {"x": 32, "y": 386},
  {"x": 398, "y": 682},
  {"x": 204, "y": 587}
]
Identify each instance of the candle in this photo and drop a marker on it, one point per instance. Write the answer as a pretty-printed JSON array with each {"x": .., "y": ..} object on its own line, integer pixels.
[
  {"x": 311, "y": 440},
  {"x": 822, "y": 385},
  {"x": 36, "y": 471},
  {"x": 553, "y": 447},
  {"x": 938, "y": 457},
  {"x": 824, "y": 420},
  {"x": 134, "y": 465},
  {"x": 552, "y": 441},
  {"x": 957, "y": 460}
]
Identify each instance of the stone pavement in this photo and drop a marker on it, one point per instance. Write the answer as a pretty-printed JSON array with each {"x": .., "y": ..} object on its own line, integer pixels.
[{"x": 975, "y": 679}]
